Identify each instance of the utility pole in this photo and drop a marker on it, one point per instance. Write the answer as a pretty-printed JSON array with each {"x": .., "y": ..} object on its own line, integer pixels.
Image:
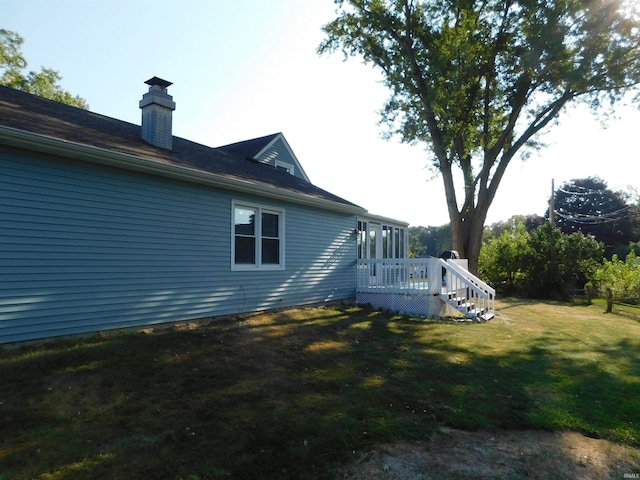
[{"x": 552, "y": 205}]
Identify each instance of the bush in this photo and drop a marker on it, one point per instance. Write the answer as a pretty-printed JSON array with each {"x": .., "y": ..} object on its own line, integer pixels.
[
  {"x": 622, "y": 277},
  {"x": 500, "y": 262},
  {"x": 543, "y": 263}
]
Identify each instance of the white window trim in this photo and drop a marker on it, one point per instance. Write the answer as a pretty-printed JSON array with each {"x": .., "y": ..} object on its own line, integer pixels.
[{"x": 281, "y": 231}]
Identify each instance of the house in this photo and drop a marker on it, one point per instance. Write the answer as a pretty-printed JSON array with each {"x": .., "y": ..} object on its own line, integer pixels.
[{"x": 105, "y": 224}]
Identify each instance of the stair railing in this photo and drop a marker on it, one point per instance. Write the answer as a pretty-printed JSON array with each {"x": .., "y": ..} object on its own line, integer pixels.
[{"x": 463, "y": 283}]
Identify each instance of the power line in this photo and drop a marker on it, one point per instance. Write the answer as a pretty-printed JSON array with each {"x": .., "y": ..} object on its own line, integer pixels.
[
  {"x": 591, "y": 219},
  {"x": 588, "y": 218},
  {"x": 587, "y": 191},
  {"x": 590, "y": 191}
]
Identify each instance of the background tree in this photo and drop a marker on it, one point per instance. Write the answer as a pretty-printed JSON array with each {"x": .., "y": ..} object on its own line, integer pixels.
[
  {"x": 557, "y": 263},
  {"x": 530, "y": 222},
  {"x": 43, "y": 83},
  {"x": 587, "y": 205},
  {"x": 476, "y": 80},
  {"x": 429, "y": 241}
]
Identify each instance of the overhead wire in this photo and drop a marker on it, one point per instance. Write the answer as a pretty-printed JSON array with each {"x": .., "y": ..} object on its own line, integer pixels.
[
  {"x": 592, "y": 219},
  {"x": 588, "y": 219},
  {"x": 588, "y": 191}
]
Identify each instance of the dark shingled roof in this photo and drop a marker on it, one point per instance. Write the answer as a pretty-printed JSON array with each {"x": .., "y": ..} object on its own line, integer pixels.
[
  {"x": 248, "y": 148},
  {"x": 40, "y": 116}
]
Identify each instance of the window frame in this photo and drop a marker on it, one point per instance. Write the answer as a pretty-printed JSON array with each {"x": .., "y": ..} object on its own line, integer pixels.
[
  {"x": 285, "y": 166},
  {"x": 258, "y": 236}
]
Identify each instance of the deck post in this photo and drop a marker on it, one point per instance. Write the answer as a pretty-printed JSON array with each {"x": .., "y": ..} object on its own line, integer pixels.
[{"x": 434, "y": 276}]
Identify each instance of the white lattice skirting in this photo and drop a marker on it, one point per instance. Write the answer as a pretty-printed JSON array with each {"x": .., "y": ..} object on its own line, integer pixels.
[{"x": 418, "y": 305}]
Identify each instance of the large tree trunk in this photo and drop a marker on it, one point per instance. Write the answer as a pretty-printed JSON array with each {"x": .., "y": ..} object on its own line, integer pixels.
[
  {"x": 467, "y": 237},
  {"x": 466, "y": 227}
]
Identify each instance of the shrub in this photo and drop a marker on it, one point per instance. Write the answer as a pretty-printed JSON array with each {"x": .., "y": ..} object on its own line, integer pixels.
[
  {"x": 622, "y": 277},
  {"x": 543, "y": 263},
  {"x": 500, "y": 262}
]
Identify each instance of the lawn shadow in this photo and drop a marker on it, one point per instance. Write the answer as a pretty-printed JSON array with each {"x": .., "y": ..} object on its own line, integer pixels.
[{"x": 292, "y": 394}]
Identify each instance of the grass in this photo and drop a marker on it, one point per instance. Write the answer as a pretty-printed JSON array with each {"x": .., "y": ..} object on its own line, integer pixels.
[{"x": 300, "y": 393}]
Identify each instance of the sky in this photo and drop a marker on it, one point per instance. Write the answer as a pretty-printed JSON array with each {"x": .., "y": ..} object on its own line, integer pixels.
[{"x": 243, "y": 69}]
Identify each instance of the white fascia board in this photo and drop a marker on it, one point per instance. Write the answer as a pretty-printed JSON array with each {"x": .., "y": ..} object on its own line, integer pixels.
[
  {"x": 383, "y": 220},
  {"x": 44, "y": 144}
]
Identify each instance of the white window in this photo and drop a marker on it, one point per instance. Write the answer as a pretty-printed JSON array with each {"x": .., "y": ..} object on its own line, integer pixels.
[
  {"x": 287, "y": 167},
  {"x": 258, "y": 238}
]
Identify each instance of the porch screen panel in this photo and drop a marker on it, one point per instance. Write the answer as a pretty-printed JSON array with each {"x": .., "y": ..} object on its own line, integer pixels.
[
  {"x": 387, "y": 242},
  {"x": 399, "y": 242},
  {"x": 362, "y": 240},
  {"x": 372, "y": 243}
]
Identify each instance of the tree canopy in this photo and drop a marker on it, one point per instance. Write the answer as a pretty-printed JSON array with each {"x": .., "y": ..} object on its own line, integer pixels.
[
  {"x": 43, "y": 83},
  {"x": 429, "y": 241},
  {"x": 530, "y": 222},
  {"x": 476, "y": 80}
]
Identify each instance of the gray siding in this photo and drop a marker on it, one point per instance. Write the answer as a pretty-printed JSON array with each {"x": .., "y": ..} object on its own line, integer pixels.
[{"x": 87, "y": 248}]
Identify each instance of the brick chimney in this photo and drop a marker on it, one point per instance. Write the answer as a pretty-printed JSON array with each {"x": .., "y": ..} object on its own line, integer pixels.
[{"x": 157, "y": 107}]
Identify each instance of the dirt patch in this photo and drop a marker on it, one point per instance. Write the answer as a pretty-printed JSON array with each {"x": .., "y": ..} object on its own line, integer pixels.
[{"x": 499, "y": 454}]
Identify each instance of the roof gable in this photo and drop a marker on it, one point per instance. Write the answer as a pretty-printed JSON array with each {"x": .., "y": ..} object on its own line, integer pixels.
[
  {"x": 278, "y": 154},
  {"x": 273, "y": 150}
]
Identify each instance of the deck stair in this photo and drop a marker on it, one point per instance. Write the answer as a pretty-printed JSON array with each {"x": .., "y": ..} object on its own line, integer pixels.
[
  {"x": 467, "y": 307},
  {"x": 466, "y": 293}
]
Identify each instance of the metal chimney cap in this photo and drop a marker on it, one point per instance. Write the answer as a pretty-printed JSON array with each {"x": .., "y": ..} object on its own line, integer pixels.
[{"x": 159, "y": 82}]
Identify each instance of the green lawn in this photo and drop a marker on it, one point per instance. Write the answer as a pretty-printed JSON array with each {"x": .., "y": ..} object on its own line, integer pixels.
[
  {"x": 620, "y": 308},
  {"x": 299, "y": 393}
]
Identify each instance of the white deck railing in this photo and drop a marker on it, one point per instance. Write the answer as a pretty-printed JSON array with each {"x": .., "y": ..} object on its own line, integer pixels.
[{"x": 393, "y": 275}]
